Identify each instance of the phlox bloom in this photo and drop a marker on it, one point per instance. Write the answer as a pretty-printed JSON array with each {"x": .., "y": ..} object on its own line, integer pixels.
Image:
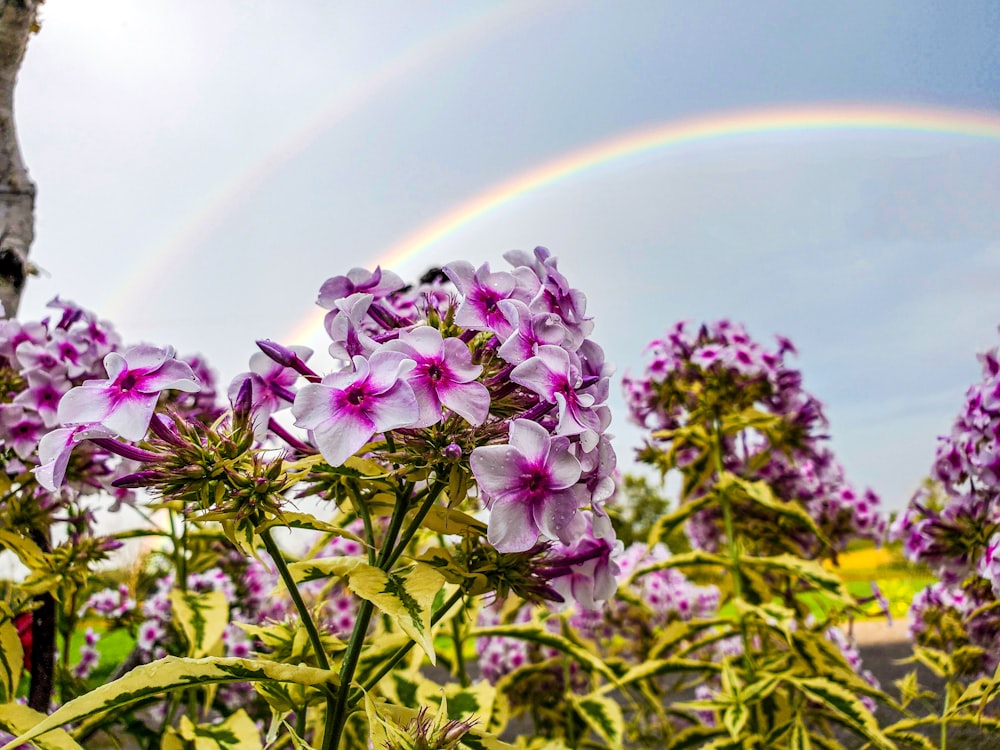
[
  {"x": 377, "y": 283},
  {"x": 272, "y": 386},
  {"x": 54, "y": 450},
  {"x": 586, "y": 571},
  {"x": 553, "y": 376},
  {"x": 346, "y": 409},
  {"x": 531, "y": 486},
  {"x": 444, "y": 376},
  {"x": 124, "y": 403}
]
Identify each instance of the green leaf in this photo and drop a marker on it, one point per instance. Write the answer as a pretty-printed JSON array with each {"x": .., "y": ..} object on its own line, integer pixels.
[
  {"x": 537, "y": 634},
  {"x": 695, "y": 738},
  {"x": 172, "y": 673},
  {"x": 914, "y": 739},
  {"x": 910, "y": 690},
  {"x": 802, "y": 571},
  {"x": 29, "y": 553},
  {"x": 668, "y": 524},
  {"x": 310, "y": 522},
  {"x": 759, "y": 493},
  {"x": 15, "y": 718},
  {"x": 845, "y": 705},
  {"x": 603, "y": 715},
  {"x": 657, "y": 667},
  {"x": 450, "y": 521},
  {"x": 798, "y": 738},
  {"x": 238, "y": 732},
  {"x": 201, "y": 617},
  {"x": 11, "y": 661},
  {"x": 734, "y": 718},
  {"x": 693, "y": 558},
  {"x": 406, "y": 596},
  {"x": 937, "y": 661}
]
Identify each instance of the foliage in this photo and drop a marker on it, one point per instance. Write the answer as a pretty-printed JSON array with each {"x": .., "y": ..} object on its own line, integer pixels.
[
  {"x": 952, "y": 526},
  {"x": 474, "y": 395}
]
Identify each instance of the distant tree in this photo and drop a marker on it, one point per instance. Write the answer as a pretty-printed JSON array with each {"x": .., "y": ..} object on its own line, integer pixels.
[{"x": 18, "y": 19}]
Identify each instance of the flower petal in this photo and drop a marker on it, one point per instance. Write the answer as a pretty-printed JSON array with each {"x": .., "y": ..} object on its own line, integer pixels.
[
  {"x": 557, "y": 516},
  {"x": 531, "y": 439},
  {"x": 511, "y": 528},
  {"x": 339, "y": 439},
  {"x": 130, "y": 416},
  {"x": 394, "y": 408},
  {"x": 471, "y": 401},
  {"x": 495, "y": 468}
]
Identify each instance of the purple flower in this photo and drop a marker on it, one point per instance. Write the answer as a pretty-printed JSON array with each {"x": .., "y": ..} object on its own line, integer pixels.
[
  {"x": 271, "y": 386},
  {"x": 552, "y": 375},
  {"x": 532, "y": 330},
  {"x": 377, "y": 283},
  {"x": 531, "y": 484},
  {"x": 585, "y": 571},
  {"x": 444, "y": 376},
  {"x": 346, "y": 409},
  {"x": 45, "y": 390},
  {"x": 54, "y": 449},
  {"x": 21, "y": 430},
  {"x": 345, "y": 324},
  {"x": 125, "y": 402},
  {"x": 483, "y": 291}
]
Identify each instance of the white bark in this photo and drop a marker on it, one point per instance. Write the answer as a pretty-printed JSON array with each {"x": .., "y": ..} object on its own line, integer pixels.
[{"x": 17, "y": 191}]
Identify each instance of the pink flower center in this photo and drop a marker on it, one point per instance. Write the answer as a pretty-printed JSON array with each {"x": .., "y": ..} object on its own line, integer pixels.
[
  {"x": 128, "y": 382},
  {"x": 356, "y": 395},
  {"x": 537, "y": 480},
  {"x": 434, "y": 371}
]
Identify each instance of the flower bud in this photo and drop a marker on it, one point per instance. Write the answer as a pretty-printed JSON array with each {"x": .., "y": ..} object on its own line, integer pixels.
[
  {"x": 242, "y": 405},
  {"x": 138, "y": 479},
  {"x": 287, "y": 358}
]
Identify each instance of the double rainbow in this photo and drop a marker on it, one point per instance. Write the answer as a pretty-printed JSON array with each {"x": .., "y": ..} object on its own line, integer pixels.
[{"x": 676, "y": 134}]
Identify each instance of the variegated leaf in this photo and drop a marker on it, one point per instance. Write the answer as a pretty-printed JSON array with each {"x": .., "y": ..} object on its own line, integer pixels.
[
  {"x": 202, "y": 618},
  {"x": 603, "y": 715},
  {"x": 16, "y": 719},
  {"x": 537, "y": 634},
  {"x": 11, "y": 661},
  {"x": 172, "y": 673},
  {"x": 237, "y": 732},
  {"x": 845, "y": 705}
]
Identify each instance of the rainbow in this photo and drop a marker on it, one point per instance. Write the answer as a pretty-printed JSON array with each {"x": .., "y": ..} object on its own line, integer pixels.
[
  {"x": 671, "y": 135},
  {"x": 154, "y": 264}
]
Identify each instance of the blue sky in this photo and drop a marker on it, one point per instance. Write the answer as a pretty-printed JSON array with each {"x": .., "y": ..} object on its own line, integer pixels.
[{"x": 203, "y": 167}]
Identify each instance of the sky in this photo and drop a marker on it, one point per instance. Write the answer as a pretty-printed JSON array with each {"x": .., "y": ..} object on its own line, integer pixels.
[{"x": 828, "y": 172}]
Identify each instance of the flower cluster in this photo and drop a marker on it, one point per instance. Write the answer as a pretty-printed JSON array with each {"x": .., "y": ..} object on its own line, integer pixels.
[
  {"x": 493, "y": 375},
  {"x": 953, "y": 527},
  {"x": 626, "y": 628},
  {"x": 718, "y": 370},
  {"x": 39, "y": 363},
  {"x": 65, "y": 380}
]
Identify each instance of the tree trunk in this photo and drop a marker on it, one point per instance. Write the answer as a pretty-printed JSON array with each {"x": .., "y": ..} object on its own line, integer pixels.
[{"x": 18, "y": 19}]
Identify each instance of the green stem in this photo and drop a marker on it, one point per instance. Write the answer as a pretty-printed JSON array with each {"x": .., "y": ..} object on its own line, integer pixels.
[
  {"x": 458, "y": 643},
  {"x": 337, "y": 713},
  {"x": 300, "y": 606},
  {"x": 366, "y": 519},
  {"x": 179, "y": 542},
  {"x": 734, "y": 557},
  {"x": 293, "y": 592},
  {"x": 411, "y": 529},
  {"x": 944, "y": 714}
]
